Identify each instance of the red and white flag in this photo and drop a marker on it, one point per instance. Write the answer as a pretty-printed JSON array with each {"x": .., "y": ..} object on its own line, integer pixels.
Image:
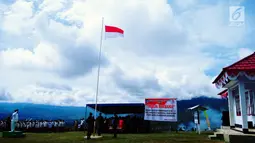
[{"x": 113, "y": 32}]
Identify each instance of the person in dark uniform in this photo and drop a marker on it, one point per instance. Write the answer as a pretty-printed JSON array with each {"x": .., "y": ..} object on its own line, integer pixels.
[
  {"x": 106, "y": 127},
  {"x": 115, "y": 125},
  {"x": 8, "y": 123},
  {"x": 99, "y": 124},
  {"x": 90, "y": 124}
]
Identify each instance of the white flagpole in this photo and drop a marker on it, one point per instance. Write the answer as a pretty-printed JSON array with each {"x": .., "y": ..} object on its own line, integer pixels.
[{"x": 98, "y": 71}]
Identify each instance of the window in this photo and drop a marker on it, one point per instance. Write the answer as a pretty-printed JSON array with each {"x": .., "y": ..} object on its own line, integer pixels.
[
  {"x": 250, "y": 103},
  {"x": 247, "y": 101},
  {"x": 249, "y": 96},
  {"x": 238, "y": 108},
  {"x": 235, "y": 94}
]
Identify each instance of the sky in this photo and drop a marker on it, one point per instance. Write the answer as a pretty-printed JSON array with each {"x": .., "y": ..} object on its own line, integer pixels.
[{"x": 171, "y": 48}]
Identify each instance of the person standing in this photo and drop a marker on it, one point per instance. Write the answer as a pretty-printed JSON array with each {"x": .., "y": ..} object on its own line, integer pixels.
[
  {"x": 121, "y": 123},
  {"x": 45, "y": 126},
  {"x": 50, "y": 124},
  {"x": 8, "y": 123},
  {"x": 82, "y": 124},
  {"x": 197, "y": 121},
  {"x": 75, "y": 125},
  {"x": 115, "y": 125},
  {"x": 90, "y": 123},
  {"x": 99, "y": 124},
  {"x": 14, "y": 120}
]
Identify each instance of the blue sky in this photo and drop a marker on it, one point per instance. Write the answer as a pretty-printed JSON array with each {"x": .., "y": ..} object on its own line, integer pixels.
[{"x": 174, "y": 48}]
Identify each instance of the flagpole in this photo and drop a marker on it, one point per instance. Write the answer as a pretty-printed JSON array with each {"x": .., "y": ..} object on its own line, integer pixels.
[{"x": 98, "y": 71}]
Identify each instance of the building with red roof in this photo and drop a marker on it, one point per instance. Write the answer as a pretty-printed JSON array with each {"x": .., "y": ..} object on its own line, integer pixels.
[{"x": 238, "y": 80}]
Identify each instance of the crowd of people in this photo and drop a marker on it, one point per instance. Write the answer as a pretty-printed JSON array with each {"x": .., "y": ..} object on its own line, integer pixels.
[
  {"x": 115, "y": 124},
  {"x": 128, "y": 124},
  {"x": 35, "y": 125}
]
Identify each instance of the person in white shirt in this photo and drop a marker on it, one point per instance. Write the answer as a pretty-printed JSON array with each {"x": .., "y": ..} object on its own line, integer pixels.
[
  {"x": 45, "y": 124},
  {"x": 25, "y": 125},
  {"x": 81, "y": 126},
  {"x": 60, "y": 124},
  {"x": 14, "y": 120},
  {"x": 4, "y": 125},
  {"x": 41, "y": 124},
  {"x": 50, "y": 126},
  {"x": 28, "y": 125},
  {"x": 1, "y": 125},
  {"x": 37, "y": 126},
  {"x": 56, "y": 124},
  {"x": 64, "y": 123},
  {"x": 20, "y": 125}
]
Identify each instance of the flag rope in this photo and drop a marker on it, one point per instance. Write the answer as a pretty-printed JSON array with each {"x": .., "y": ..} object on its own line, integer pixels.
[{"x": 98, "y": 72}]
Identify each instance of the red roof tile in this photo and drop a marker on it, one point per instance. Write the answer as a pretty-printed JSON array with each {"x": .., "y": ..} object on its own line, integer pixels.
[{"x": 245, "y": 64}]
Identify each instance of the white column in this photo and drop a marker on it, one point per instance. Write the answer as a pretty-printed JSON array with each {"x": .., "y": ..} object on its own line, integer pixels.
[
  {"x": 243, "y": 107},
  {"x": 231, "y": 109}
]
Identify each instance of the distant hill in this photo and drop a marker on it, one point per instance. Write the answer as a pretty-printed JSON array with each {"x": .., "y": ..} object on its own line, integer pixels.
[{"x": 39, "y": 111}]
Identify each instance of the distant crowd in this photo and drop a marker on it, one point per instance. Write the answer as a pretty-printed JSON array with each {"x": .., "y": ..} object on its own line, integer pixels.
[
  {"x": 127, "y": 124},
  {"x": 35, "y": 125}
]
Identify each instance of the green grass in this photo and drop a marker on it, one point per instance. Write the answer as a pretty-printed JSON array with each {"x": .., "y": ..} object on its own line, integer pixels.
[{"x": 78, "y": 137}]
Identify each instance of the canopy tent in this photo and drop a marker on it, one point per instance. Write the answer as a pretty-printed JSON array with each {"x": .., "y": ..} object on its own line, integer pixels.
[
  {"x": 122, "y": 108},
  {"x": 197, "y": 108}
]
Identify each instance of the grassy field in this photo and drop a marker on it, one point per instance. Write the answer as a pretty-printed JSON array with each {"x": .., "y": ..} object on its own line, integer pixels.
[{"x": 77, "y": 137}]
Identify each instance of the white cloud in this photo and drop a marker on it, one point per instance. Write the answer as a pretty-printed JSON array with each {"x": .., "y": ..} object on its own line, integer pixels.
[
  {"x": 14, "y": 18},
  {"x": 244, "y": 52},
  {"x": 160, "y": 56},
  {"x": 185, "y": 4},
  {"x": 43, "y": 57},
  {"x": 4, "y": 95},
  {"x": 53, "y": 6}
]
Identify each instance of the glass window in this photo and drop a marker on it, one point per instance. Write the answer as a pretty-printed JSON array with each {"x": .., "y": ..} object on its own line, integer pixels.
[
  {"x": 248, "y": 106},
  {"x": 235, "y": 94},
  {"x": 238, "y": 108},
  {"x": 249, "y": 96},
  {"x": 252, "y": 111}
]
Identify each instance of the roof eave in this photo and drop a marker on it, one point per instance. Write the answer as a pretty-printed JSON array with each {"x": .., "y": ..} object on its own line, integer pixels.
[
  {"x": 223, "y": 92},
  {"x": 219, "y": 76}
]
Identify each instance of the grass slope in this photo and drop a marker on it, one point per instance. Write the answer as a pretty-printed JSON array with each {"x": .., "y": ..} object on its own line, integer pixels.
[{"x": 77, "y": 137}]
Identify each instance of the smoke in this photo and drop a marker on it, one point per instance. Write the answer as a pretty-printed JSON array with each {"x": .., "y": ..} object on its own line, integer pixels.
[
  {"x": 190, "y": 126},
  {"x": 214, "y": 119}
]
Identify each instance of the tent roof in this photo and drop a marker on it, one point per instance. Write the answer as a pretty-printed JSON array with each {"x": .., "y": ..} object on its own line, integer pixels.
[
  {"x": 198, "y": 107},
  {"x": 122, "y": 108}
]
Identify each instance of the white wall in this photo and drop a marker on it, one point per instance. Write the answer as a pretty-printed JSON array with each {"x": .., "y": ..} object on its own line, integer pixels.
[
  {"x": 251, "y": 118},
  {"x": 238, "y": 120}
]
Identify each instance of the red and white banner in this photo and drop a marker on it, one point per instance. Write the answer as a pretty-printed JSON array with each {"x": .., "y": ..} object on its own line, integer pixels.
[{"x": 161, "y": 109}]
